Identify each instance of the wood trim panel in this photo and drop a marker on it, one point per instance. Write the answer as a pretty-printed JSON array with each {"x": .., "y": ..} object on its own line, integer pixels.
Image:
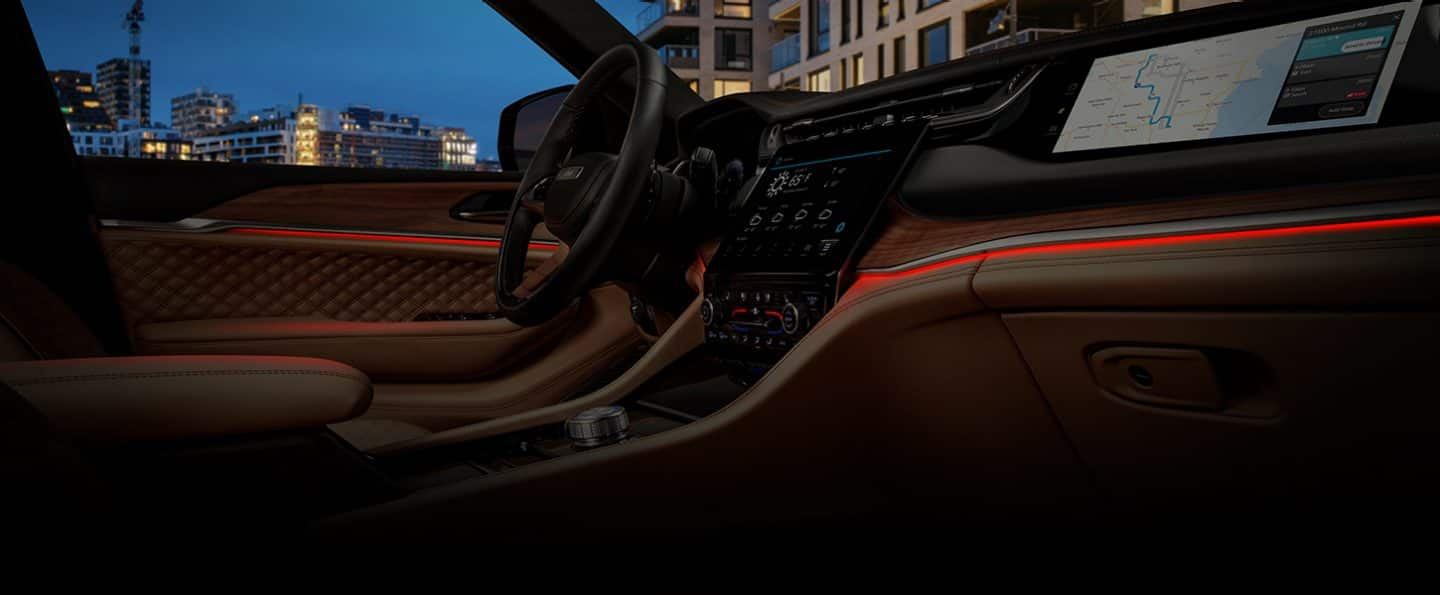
[
  {"x": 408, "y": 207},
  {"x": 906, "y": 236}
]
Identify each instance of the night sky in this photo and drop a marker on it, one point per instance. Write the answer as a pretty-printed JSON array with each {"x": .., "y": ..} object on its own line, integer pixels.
[{"x": 452, "y": 62}]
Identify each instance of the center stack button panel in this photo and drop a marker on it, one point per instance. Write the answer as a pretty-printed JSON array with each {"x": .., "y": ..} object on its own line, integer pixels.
[{"x": 756, "y": 323}]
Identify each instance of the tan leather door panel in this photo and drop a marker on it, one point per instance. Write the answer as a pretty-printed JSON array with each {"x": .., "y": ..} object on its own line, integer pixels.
[
  {"x": 368, "y": 274},
  {"x": 355, "y": 301}
]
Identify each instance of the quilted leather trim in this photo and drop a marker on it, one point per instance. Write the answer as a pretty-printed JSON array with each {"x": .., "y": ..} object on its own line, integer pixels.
[{"x": 167, "y": 281}]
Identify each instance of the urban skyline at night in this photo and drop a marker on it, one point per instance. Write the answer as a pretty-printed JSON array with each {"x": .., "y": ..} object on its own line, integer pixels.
[{"x": 455, "y": 63}]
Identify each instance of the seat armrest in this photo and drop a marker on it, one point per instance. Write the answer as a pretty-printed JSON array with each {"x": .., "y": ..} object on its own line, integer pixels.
[{"x": 162, "y": 398}]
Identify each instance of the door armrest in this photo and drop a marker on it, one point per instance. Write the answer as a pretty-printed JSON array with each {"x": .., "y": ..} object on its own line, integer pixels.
[{"x": 163, "y": 398}]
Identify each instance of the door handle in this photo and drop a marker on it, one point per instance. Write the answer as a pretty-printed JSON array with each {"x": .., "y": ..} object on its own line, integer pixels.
[
  {"x": 483, "y": 207},
  {"x": 482, "y": 216},
  {"x": 1165, "y": 377}
]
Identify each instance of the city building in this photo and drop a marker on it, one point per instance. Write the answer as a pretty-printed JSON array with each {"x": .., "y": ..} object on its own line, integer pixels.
[
  {"x": 201, "y": 110},
  {"x": 78, "y": 101},
  {"x": 457, "y": 150},
  {"x": 132, "y": 139},
  {"x": 829, "y": 45},
  {"x": 362, "y": 136},
  {"x": 358, "y": 136},
  {"x": 711, "y": 44},
  {"x": 262, "y": 136},
  {"x": 124, "y": 88}
]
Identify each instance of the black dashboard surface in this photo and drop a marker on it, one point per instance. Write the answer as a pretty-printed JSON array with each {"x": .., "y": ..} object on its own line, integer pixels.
[{"x": 1001, "y": 162}]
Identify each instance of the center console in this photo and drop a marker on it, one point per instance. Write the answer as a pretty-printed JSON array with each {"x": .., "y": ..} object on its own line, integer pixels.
[{"x": 785, "y": 256}]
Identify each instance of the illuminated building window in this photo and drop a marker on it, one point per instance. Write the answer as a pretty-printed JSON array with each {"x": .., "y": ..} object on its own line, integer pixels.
[
  {"x": 732, "y": 9},
  {"x": 725, "y": 87},
  {"x": 818, "y": 80},
  {"x": 1152, "y": 8}
]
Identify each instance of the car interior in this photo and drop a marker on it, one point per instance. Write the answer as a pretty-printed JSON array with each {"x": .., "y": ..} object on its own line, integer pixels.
[{"x": 929, "y": 302}]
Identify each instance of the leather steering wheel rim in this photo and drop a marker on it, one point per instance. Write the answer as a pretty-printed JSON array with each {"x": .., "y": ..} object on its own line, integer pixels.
[{"x": 616, "y": 205}]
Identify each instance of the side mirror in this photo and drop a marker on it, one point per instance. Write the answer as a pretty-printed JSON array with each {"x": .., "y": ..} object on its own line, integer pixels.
[{"x": 523, "y": 125}]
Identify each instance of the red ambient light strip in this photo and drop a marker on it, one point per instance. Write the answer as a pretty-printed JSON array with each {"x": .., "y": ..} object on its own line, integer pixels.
[
  {"x": 337, "y": 235},
  {"x": 1423, "y": 221}
]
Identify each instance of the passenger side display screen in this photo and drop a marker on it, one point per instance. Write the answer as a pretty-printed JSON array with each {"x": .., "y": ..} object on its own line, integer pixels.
[
  {"x": 1319, "y": 73},
  {"x": 813, "y": 200}
]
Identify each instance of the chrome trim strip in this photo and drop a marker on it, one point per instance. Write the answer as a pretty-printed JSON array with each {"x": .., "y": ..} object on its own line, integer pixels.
[
  {"x": 200, "y": 225},
  {"x": 1189, "y": 226}
]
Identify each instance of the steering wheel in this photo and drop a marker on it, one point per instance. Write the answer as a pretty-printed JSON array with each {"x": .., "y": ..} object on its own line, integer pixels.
[{"x": 587, "y": 200}]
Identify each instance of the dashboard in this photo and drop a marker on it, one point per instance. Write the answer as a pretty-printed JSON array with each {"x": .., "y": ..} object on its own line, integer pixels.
[{"x": 1145, "y": 112}]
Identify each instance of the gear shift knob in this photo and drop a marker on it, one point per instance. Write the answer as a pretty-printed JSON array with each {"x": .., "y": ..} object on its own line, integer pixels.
[{"x": 598, "y": 426}]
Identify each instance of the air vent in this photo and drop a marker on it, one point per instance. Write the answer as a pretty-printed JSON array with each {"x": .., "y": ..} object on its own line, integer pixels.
[
  {"x": 954, "y": 104},
  {"x": 953, "y": 100}
]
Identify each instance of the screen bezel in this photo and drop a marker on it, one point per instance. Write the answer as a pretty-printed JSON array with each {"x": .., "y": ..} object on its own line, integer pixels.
[{"x": 1047, "y": 97}]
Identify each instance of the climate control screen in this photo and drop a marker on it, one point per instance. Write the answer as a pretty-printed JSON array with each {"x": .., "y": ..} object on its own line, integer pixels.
[{"x": 813, "y": 201}]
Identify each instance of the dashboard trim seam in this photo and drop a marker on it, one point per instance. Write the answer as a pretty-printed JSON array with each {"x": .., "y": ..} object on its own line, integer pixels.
[{"x": 1190, "y": 226}]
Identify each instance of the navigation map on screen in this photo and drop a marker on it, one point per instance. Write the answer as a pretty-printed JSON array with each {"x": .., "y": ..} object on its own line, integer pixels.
[{"x": 1320, "y": 73}]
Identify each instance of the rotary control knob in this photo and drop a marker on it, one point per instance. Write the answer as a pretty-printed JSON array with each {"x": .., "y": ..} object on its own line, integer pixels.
[
  {"x": 707, "y": 312},
  {"x": 598, "y": 426},
  {"x": 791, "y": 317}
]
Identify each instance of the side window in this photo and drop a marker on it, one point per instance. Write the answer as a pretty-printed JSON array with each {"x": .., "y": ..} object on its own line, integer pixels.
[{"x": 334, "y": 83}]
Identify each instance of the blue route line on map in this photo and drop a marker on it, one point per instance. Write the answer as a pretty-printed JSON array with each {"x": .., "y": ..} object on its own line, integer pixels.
[{"x": 1153, "y": 97}]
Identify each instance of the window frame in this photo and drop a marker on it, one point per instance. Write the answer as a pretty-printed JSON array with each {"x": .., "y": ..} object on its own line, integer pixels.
[
  {"x": 924, "y": 47},
  {"x": 815, "y": 34},
  {"x": 720, "y": 53},
  {"x": 898, "y": 65},
  {"x": 859, "y": 19}
]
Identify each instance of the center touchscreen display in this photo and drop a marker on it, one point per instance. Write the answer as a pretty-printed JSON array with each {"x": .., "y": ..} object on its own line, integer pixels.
[
  {"x": 813, "y": 201},
  {"x": 1319, "y": 73}
]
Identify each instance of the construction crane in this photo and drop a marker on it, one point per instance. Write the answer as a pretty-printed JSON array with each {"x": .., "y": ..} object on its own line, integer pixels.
[{"x": 132, "y": 24}]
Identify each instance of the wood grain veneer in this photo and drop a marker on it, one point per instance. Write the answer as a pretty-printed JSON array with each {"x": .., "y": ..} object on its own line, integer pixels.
[
  {"x": 411, "y": 207},
  {"x": 905, "y": 236}
]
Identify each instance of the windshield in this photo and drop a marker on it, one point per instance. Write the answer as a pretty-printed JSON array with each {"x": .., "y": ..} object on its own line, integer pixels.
[
  {"x": 379, "y": 83},
  {"x": 732, "y": 46},
  {"x": 346, "y": 83}
]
